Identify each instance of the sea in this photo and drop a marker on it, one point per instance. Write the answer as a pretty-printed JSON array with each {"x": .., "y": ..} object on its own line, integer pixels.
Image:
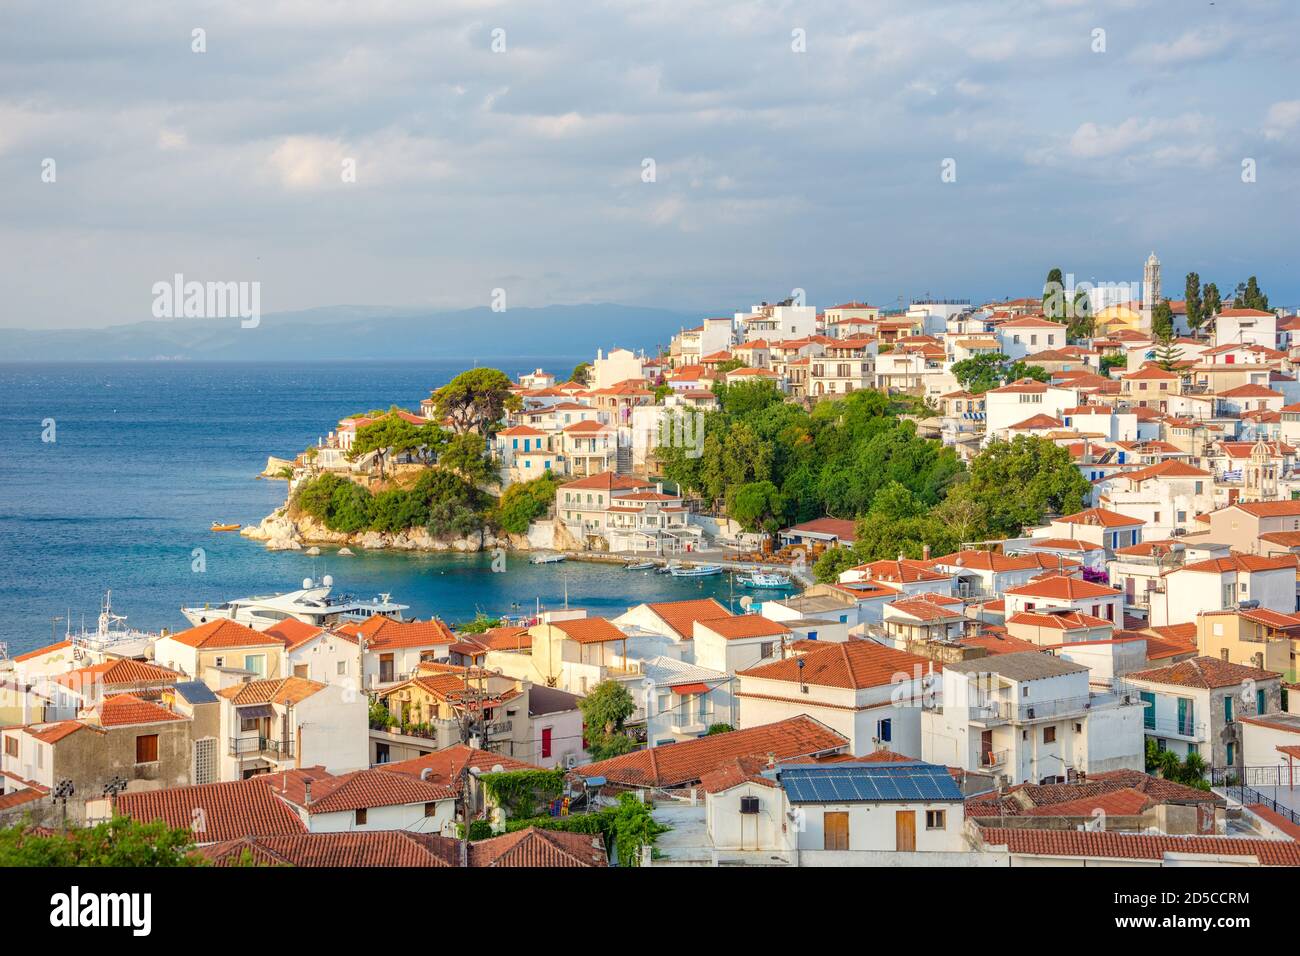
[{"x": 111, "y": 474}]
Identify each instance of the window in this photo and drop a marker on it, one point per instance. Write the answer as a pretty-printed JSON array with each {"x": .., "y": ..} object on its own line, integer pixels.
[
  {"x": 546, "y": 741},
  {"x": 146, "y": 748},
  {"x": 1231, "y": 754},
  {"x": 1049, "y": 735},
  {"x": 382, "y": 754},
  {"x": 1261, "y": 702},
  {"x": 885, "y": 729},
  {"x": 219, "y": 662},
  {"x": 430, "y": 809},
  {"x": 341, "y": 668},
  {"x": 255, "y": 663},
  {"x": 765, "y": 650},
  {"x": 936, "y": 819},
  {"x": 247, "y": 725},
  {"x": 360, "y": 817},
  {"x": 11, "y": 746}
]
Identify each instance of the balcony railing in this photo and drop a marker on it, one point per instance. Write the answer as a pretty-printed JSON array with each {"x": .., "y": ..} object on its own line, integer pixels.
[
  {"x": 1001, "y": 710},
  {"x": 251, "y": 746},
  {"x": 993, "y": 758},
  {"x": 1172, "y": 726}
]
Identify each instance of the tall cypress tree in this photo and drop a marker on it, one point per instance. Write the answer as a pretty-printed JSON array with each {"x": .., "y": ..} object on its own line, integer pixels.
[
  {"x": 1192, "y": 295},
  {"x": 1054, "y": 296},
  {"x": 1211, "y": 304}
]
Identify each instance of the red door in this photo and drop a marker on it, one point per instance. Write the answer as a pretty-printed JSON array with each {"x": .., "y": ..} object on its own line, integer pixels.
[{"x": 546, "y": 741}]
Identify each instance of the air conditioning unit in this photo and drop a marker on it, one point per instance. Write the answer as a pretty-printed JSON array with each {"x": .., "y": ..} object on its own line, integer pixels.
[
  {"x": 1030, "y": 712},
  {"x": 570, "y": 761}
]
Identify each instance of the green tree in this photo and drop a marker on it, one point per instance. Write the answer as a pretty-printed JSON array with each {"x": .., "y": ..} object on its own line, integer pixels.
[
  {"x": 1211, "y": 303},
  {"x": 1054, "y": 296},
  {"x": 466, "y": 454},
  {"x": 1162, "y": 320},
  {"x": 524, "y": 502},
  {"x": 1192, "y": 298},
  {"x": 581, "y": 373},
  {"x": 1043, "y": 475},
  {"x": 1081, "y": 325},
  {"x": 604, "y": 712},
  {"x": 979, "y": 373},
  {"x": 758, "y": 506},
  {"x": 350, "y": 508},
  {"x": 387, "y": 435},
  {"x": 121, "y": 841},
  {"x": 832, "y": 562},
  {"x": 396, "y": 510},
  {"x": 1168, "y": 355},
  {"x": 476, "y": 400},
  {"x": 1250, "y": 296}
]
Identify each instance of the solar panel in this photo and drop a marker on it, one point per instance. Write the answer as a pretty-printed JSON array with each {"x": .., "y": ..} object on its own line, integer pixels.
[{"x": 869, "y": 783}]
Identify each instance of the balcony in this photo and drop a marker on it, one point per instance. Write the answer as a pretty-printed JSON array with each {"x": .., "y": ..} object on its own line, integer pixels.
[
  {"x": 1001, "y": 711},
  {"x": 261, "y": 746},
  {"x": 1173, "y": 727},
  {"x": 690, "y": 723},
  {"x": 992, "y": 759}
]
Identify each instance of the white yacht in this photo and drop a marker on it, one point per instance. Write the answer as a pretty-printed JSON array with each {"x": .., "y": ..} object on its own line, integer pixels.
[{"x": 313, "y": 604}]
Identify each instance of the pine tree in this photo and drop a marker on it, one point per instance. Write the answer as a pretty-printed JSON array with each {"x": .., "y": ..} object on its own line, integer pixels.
[
  {"x": 1162, "y": 321},
  {"x": 1211, "y": 303}
]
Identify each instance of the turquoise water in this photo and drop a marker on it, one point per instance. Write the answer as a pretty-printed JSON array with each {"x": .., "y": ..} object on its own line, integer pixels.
[{"x": 146, "y": 456}]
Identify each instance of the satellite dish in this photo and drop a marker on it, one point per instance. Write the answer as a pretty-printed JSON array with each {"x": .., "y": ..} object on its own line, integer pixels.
[
  {"x": 475, "y": 771},
  {"x": 424, "y": 774},
  {"x": 328, "y": 580},
  {"x": 746, "y": 602},
  {"x": 497, "y": 768},
  {"x": 306, "y": 583}
]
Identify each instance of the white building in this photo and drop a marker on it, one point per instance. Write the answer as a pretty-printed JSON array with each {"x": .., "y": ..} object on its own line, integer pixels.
[{"x": 1028, "y": 716}]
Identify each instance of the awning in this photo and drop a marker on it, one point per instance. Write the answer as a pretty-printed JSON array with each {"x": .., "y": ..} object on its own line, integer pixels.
[
  {"x": 684, "y": 689},
  {"x": 256, "y": 710}
]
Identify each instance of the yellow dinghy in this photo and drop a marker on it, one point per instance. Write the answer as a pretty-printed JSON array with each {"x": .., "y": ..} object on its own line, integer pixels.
[{"x": 224, "y": 527}]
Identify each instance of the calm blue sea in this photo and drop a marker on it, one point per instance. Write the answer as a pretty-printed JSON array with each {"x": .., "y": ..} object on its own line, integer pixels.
[{"x": 146, "y": 456}]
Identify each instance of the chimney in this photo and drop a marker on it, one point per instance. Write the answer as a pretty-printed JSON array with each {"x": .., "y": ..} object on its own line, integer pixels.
[
  {"x": 925, "y": 552},
  {"x": 771, "y": 759},
  {"x": 308, "y": 789}
]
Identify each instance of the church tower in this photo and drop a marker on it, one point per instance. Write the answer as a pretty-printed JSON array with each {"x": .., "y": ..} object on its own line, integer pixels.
[{"x": 1150, "y": 289}]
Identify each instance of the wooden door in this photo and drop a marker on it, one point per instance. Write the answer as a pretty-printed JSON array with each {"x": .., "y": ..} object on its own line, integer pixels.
[
  {"x": 835, "y": 830},
  {"x": 905, "y": 831}
]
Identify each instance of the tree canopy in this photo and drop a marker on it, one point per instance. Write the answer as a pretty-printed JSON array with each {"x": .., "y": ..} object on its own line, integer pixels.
[
  {"x": 476, "y": 400},
  {"x": 604, "y": 712},
  {"x": 122, "y": 841}
]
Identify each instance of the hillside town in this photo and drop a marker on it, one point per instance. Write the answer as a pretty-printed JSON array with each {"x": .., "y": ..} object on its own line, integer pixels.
[{"x": 1046, "y": 613}]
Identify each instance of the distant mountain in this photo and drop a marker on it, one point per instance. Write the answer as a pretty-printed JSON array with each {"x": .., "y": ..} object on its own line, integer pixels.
[{"x": 359, "y": 332}]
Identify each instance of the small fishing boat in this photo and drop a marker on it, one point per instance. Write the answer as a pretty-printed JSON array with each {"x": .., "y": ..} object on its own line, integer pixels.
[
  {"x": 224, "y": 527},
  {"x": 546, "y": 558},
  {"x": 639, "y": 566},
  {"x": 668, "y": 568},
  {"x": 763, "y": 579},
  {"x": 696, "y": 571}
]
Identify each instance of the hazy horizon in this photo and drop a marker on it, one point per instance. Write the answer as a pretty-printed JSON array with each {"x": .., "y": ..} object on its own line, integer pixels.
[{"x": 420, "y": 159}]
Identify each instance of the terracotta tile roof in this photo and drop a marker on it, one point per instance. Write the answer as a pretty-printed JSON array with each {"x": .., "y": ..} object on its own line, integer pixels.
[
  {"x": 293, "y": 632},
  {"x": 1132, "y": 846},
  {"x": 607, "y": 481},
  {"x": 686, "y": 762},
  {"x": 1237, "y": 563},
  {"x": 362, "y": 789},
  {"x": 42, "y": 651},
  {"x": 19, "y": 797},
  {"x": 747, "y": 769},
  {"x": 680, "y": 616},
  {"x": 1100, "y": 517},
  {"x": 983, "y": 561},
  {"x": 739, "y": 627},
  {"x": 926, "y": 610},
  {"x": 1268, "y": 509},
  {"x": 286, "y": 690},
  {"x": 1037, "y": 421},
  {"x": 215, "y": 811},
  {"x": 1062, "y": 587},
  {"x": 903, "y": 571},
  {"x": 1070, "y": 799},
  {"x": 1071, "y": 620},
  {"x": 121, "y": 671},
  {"x": 849, "y": 664},
  {"x": 590, "y": 630},
  {"x": 223, "y": 633},
  {"x": 996, "y": 641},
  {"x": 383, "y": 632},
  {"x": 1063, "y": 544},
  {"x": 53, "y": 733},
  {"x": 534, "y": 847},
  {"x": 445, "y": 766},
  {"x": 1165, "y": 469},
  {"x": 124, "y": 710},
  {"x": 1203, "y": 672},
  {"x": 839, "y": 527},
  {"x": 379, "y": 848}
]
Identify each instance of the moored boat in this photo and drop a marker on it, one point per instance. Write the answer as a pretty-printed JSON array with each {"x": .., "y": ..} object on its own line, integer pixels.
[
  {"x": 696, "y": 571},
  {"x": 639, "y": 566},
  {"x": 313, "y": 604}
]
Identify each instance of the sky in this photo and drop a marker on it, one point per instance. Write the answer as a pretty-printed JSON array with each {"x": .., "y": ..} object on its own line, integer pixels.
[{"x": 856, "y": 150}]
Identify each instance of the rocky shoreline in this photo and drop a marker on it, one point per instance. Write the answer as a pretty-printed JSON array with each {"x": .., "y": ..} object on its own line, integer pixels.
[{"x": 281, "y": 532}]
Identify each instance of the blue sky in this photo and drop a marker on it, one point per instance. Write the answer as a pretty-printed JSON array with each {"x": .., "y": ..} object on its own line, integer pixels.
[{"x": 522, "y": 169}]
